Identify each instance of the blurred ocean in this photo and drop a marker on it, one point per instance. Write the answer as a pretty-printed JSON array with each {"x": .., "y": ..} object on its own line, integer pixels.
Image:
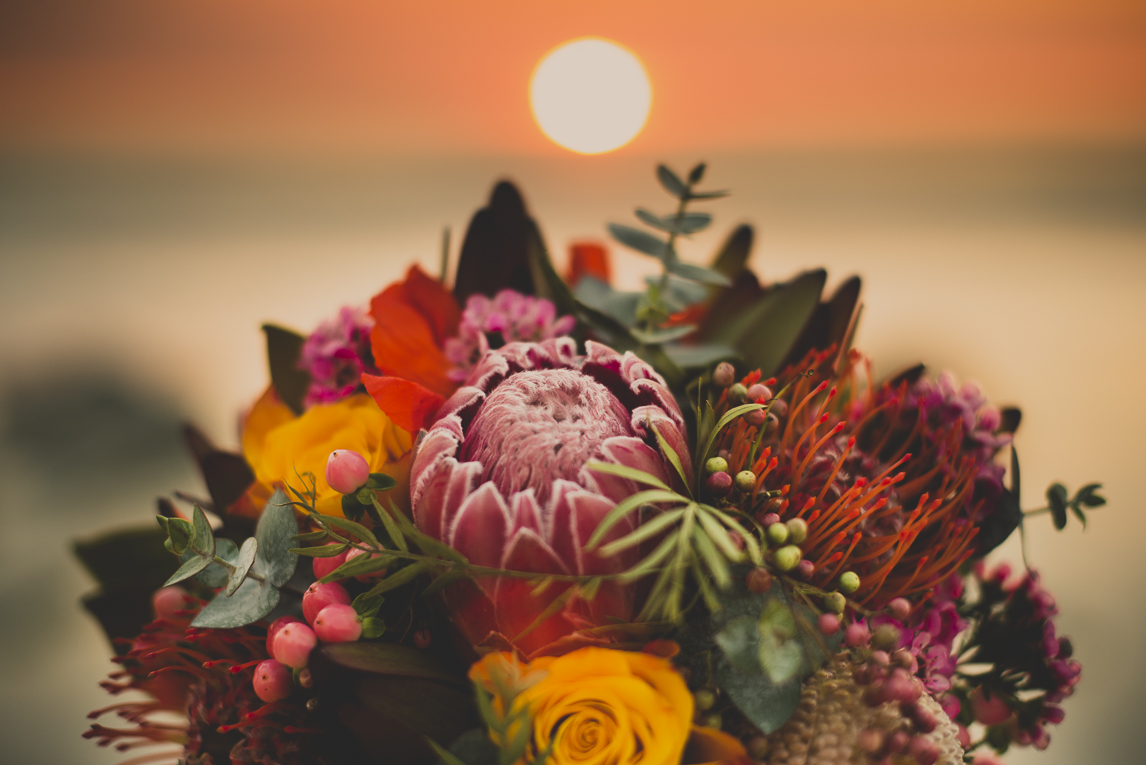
[{"x": 131, "y": 294}]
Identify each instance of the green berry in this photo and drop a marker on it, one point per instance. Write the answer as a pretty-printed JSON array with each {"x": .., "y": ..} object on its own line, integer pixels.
[
  {"x": 716, "y": 465},
  {"x": 885, "y": 637},
  {"x": 704, "y": 699},
  {"x": 714, "y": 720},
  {"x": 787, "y": 557},
  {"x": 745, "y": 481},
  {"x": 778, "y": 534},
  {"x": 738, "y": 393},
  {"x": 849, "y": 582},
  {"x": 835, "y": 601},
  {"x": 797, "y": 530}
]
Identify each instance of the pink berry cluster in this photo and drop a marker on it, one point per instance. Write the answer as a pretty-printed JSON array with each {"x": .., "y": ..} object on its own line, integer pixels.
[{"x": 329, "y": 619}]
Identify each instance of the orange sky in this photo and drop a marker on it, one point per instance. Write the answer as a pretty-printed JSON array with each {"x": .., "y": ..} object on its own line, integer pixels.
[{"x": 439, "y": 77}]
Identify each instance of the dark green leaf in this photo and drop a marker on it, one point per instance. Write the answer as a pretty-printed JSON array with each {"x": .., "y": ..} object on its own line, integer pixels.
[
  {"x": 243, "y": 562},
  {"x": 356, "y": 530},
  {"x": 1012, "y": 417},
  {"x": 732, "y": 257},
  {"x": 671, "y": 455},
  {"x": 189, "y": 569},
  {"x": 624, "y": 507},
  {"x": 781, "y": 654},
  {"x": 1016, "y": 476},
  {"x": 666, "y": 335},
  {"x": 638, "y": 240},
  {"x": 739, "y": 640},
  {"x": 1087, "y": 496},
  {"x": 690, "y": 222},
  {"x": 495, "y": 250},
  {"x": 283, "y": 349},
  {"x": 671, "y": 182},
  {"x": 392, "y": 530},
  {"x": 1056, "y": 501},
  {"x": 227, "y": 475},
  {"x": 696, "y": 174},
  {"x": 444, "y": 579},
  {"x": 216, "y": 576},
  {"x": 180, "y": 533},
  {"x": 399, "y": 578},
  {"x": 708, "y": 195},
  {"x": 653, "y": 220},
  {"x": 129, "y": 559},
  {"x": 698, "y": 356},
  {"x": 312, "y": 536},
  {"x": 274, "y": 559},
  {"x": 359, "y": 566},
  {"x": 1078, "y": 513},
  {"x": 251, "y": 602},
  {"x": 768, "y": 329},
  {"x": 624, "y": 471},
  {"x": 697, "y": 273},
  {"x": 381, "y": 482}
]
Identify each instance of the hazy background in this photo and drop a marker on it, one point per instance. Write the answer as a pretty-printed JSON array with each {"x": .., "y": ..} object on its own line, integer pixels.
[{"x": 174, "y": 174}]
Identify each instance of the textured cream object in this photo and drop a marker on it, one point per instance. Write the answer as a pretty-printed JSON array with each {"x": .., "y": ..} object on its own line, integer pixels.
[{"x": 831, "y": 715}]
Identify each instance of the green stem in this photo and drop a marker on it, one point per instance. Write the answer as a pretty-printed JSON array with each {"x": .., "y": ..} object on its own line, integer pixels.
[
  {"x": 231, "y": 568},
  {"x": 650, "y": 325}
]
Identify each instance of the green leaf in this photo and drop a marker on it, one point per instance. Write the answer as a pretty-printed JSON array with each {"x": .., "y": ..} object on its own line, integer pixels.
[
  {"x": 1087, "y": 496},
  {"x": 652, "y": 560},
  {"x": 399, "y": 578},
  {"x": 394, "y": 660},
  {"x": 696, "y": 174},
  {"x": 670, "y": 454},
  {"x": 690, "y": 222},
  {"x": 312, "y": 536},
  {"x": 719, "y": 535},
  {"x": 321, "y": 551},
  {"x": 274, "y": 559},
  {"x": 646, "y": 530},
  {"x": 381, "y": 482},
  {"x": 216, "y": 576},
  {"x": 1056, "y": 500},
  {"x": 251, "y": 602},
  {"x": 672, "y": 182},
  {"x": 708, "y": 195},
  {"x": 373, "y": 627},
  {"x": 128, "y": 559},
  {"x": 1016, "y": 476},
  {"x": 367, "y": 606},
  {"x": 699, "y": 356},
  {"x": 724, "y": 421},
  {"x": 626, "y": 506},
  {"x": 283, "y": 350},
  {"x": 665, "y": 335},
  {"x": 202, "y": 538},
  {"x": 697, "y": 273},
  {"x": 715, "y": 562},
  {"x": 392, "y": 530},
  {"x": 189, "y": 569},
  {"x": 243, "y": 562},
  {"x": 733, "y": 256},
  {"x": 359, "y": 566},
  {"x": 781, "y": 654},
  {"x": 444, "y": 579},
  {"x": 179, "y": 532},
  {"x": 1078, "y": 513},
  {"x": 739, "y": 640},
  {"x": 357, "y": 530},
  {"x": 624, "y": 471},
  {"x": 641, "y": 241},
  {"x": 653, "y": 220}
]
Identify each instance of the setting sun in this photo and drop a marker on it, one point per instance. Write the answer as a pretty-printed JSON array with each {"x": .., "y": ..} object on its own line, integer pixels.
[{"x": 590, "y": 95}]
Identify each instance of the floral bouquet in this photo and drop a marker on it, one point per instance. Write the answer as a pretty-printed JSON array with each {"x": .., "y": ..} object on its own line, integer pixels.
[{"x": 536, "y": 519}]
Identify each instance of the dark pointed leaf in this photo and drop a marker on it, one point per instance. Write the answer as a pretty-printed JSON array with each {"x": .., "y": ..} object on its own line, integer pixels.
[
  {"x": 128, "y": 559},
  {"x": 283, "y": 350},
  {"x": 732, "y": 257},
  {"x": 1056, "y": 501},
  {"x": 671, "y": 182},
  {"x": 828, "y": 323},
  {"x": 495, "y": 251},
  {"x": 638, "y": 240},
  {"x": 773, "y": 325},
  {"x": 697, "y": 174},
  {"x": 227, "y": 475},
  {"x": 1012, "y": 416}
]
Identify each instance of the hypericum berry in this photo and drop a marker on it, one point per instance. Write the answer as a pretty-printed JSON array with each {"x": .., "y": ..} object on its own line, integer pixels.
[
  {"x": 274, "y": 629},
  {"x": 724, "y": 375},
  {"x": 745, "y": 481},
  {"x": 716, "y": 465},
  {"x": 835, "y": 602},
  {"x": 167, "y": 600},
  {"x": 829, "y": 624},
  {"x": 293, "y": 644},
  {"x": 885, "y": 638},
  {"x": 714, "y": 720},
  {"x": 787, "y": 557},
  {"x": 797, "y": 530},
  {"x": 346, "y": 471},
  {"x": 719, "y": 484},
  {"x": 900, "y": 608},
  {"x": 338, "y": 623},
  {"x": 758, "y": 580},
  {"x": 849, "y": 582},
  {"x": 354, "y": 553},
  {"x": 319, "y": 596},
  {"x": 805, "y": 569},
  {"x": 422, "y": 638},
  {"x": 272, "y": 681},
  {"x": 323, "y": 566},
  {"x": 856, "y": 634},
  {"x": 704, "y": 699},
  {"x": 738, "y": 393},
  {"x": 769, "y": 519},
  {"x": 777, "y": 533},
  {"x": 758, "y": 391}
]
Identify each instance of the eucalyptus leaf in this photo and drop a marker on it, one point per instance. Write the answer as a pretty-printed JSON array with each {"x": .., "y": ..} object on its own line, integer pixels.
[
  {"x": 202, "y": 538},
  {"x": 274, "y": 559},
  {"x": 641, "y": 241},
  {"x": 739, "y": 640},
  {"x": 689, "y": 222},
  {"x": 215, "y": 576},
  {"x": 781, "y": 653},
  {"x": 672, "y": 182},
  {"x": 193, "y": 566},
  {"x": 243, "y": 562},
  {"x": 179, "y": 532},
  {"x": 653, "y": 220},
  {"x": 251, "y": 602},
  {"x": 1057, "y": 501},
  {"x": 697, "y": 273}
]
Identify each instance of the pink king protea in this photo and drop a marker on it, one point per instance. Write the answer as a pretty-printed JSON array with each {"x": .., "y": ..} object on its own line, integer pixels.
[{"x": 501, "y": 477}]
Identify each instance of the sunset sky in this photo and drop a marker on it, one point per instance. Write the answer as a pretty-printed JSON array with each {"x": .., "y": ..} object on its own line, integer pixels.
[{"x": 441, "y": 77}]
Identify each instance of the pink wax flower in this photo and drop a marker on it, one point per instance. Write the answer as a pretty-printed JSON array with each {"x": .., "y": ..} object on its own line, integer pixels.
[
  {"x": 336, "y": 354},
  {"x": 509, "y": 317}
]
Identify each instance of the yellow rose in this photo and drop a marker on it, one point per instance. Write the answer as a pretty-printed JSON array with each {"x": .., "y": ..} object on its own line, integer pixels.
[
  {"x": 280, "y": 446},
  {"x": 598, "y": 706}
]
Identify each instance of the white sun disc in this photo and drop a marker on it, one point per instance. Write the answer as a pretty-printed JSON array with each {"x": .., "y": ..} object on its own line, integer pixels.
[{"x": 590, "y": 95}]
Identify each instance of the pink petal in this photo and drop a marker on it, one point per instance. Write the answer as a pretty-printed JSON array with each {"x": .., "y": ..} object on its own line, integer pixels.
[{"x": 479, "y": 529}]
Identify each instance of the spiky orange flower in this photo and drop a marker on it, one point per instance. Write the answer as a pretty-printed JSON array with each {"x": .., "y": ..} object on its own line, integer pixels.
[{"x": 886, "y": 482}]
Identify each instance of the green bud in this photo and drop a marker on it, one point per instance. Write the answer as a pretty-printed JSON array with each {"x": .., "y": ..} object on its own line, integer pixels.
[
  {"x": 738, "y": 393},
  {"x": 714, "y": 720},
  {"x": 836, "y": 602},
  {"x": 704, "y": 699},
  {"x": 787, "y": 557},
  {"x": 797, "y": 530},
  {"x": 849, "y": 582},
  {"x": 778, "y": 535},
  {"x": 885, "y": 637},
  {"x": 716, "y": 465},
  {"x": 179, "y": 532},
  {"x": 745, "y": 481}
]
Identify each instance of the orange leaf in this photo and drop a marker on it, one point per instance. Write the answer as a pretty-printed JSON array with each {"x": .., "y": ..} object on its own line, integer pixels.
[
  {"x": 407, "y": 404},
  {"x": 411, "y": 321}
]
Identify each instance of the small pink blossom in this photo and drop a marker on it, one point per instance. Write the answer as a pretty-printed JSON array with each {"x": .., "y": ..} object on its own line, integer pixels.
[{"x": 336, "y": 354}]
